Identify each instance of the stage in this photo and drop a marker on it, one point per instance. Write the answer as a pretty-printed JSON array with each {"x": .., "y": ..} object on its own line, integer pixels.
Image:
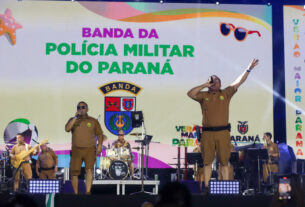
[{"x": 98, "y": 200}]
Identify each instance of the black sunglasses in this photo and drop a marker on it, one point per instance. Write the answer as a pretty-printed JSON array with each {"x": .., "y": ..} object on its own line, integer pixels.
[{"x": 81, "y": 107}]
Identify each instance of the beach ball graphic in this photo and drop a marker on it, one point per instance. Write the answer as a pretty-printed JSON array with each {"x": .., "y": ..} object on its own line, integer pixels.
[{"x": 24, "y": 126}]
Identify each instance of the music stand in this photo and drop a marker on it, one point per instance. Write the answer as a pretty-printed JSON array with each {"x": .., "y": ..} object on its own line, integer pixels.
[
  {"x": 258, "y": 155},
  {"x": 142, "y": 166},
  {"x": 234, "y": 158},
  {"x": 194, "y": 157}
]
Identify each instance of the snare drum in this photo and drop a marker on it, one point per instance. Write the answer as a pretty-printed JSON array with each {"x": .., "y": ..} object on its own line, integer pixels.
[
  {"x": 123, "y": 153},
  {"x": 118, "y": 170},
  {"x": 112, "y": 154}
]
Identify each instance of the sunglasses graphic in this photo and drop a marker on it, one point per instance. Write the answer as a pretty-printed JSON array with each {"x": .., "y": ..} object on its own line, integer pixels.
[{"x": 240, "y": 33}]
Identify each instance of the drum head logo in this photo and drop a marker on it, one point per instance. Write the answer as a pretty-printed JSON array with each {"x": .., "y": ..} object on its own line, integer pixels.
[{"x": 242, "y": 127}]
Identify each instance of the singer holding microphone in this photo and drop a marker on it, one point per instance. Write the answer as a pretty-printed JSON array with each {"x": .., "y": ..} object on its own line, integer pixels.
[
  {"x": 84, "y": 129},
  {"x": 216, "y": 128}
]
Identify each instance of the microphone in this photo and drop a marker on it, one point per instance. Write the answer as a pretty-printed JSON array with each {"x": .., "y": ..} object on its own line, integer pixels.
[
  {"x": 211, "y": 80},
  {"x": 77, "y": 115}
]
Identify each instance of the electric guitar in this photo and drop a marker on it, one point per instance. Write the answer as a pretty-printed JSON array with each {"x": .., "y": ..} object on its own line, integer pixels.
[{"x": 23, "y": 154}]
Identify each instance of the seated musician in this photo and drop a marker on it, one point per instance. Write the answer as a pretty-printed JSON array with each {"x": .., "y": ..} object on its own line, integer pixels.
[
  {"x": 47, "y": 162},
  {"x": 272, "y": 164},
  {"x": 123, "y": 144},
  {"x": 25, "y": 165}
]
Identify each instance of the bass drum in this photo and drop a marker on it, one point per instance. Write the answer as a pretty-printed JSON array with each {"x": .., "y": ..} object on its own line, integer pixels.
[{"x": 118, "y": 170}]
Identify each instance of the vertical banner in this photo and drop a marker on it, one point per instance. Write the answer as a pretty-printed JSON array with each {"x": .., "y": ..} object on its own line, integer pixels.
[
  {"x": 294, "y": 24},
  {"x": 121, "y": 57}
]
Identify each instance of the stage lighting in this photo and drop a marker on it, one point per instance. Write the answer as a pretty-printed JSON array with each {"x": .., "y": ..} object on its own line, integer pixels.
[
  {"x": 44, "y": 186},
  {"x": 224, "y": 187},
  {"x": 137, "y": 118}
]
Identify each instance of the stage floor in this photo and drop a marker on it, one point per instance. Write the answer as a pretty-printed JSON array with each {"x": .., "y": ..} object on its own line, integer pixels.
[{"x": 98, "y": 200}]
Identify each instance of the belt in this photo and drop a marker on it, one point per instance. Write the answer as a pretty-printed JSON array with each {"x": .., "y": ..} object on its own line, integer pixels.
[
  {"x": 219, "y": 128},
  {"x": 50, "y": 168}
]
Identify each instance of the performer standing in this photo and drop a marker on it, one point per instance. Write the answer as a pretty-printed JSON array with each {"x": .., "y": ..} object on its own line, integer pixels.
[
  {"x": 84, "y": 129},
  {"x": 216, "y": 128},
  {"x": 123, "y": 144},
  {"x": 274, "y": 154},
  {"x": 47, "y": 162},
  {"x": 25, "y": 166}
]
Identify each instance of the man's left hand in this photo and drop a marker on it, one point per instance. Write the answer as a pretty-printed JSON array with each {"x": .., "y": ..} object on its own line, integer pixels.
[{"x": 253, "y": 64}]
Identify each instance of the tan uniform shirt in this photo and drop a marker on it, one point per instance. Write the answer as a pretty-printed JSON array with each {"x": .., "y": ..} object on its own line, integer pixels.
[
  {"x": 18, "y": 148},
  {"x": 47, "y": 159},
  {"x": 215, "y": 107},
  {"x": 84, "y": 131},
  {"x": 273, "y": 148}
]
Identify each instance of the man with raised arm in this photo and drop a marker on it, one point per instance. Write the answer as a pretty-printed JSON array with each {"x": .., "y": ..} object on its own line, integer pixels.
[{"x": 216, "y": 128}]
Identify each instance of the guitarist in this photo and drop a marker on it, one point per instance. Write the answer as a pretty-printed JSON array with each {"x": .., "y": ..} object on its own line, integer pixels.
[{"x": 25, "y": 166}]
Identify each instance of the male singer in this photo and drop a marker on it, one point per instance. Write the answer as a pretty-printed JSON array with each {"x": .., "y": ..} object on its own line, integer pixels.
[
  {"x": 84, "y": 129},
  {"x": 216, "y": 128}
]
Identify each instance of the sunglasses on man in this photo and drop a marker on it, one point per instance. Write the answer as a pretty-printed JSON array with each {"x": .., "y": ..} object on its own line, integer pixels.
[{"x": 81, "y": 107}]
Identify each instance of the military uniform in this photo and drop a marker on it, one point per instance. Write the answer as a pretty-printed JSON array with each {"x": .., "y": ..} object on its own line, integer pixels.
[
  {"x": 25, "y": 167},
  {"x": 47, "y": 161},
  {"x": 272, "y": 165},
  {"x": 84, "y": 131},
  {"x": 215, "y": 112}
]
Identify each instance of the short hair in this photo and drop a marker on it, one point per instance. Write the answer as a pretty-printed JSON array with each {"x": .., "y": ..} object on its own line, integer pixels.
[
  {"x": 83, "y": 102},
  {"x": 217, "y": 78},
  {"x": 21, "y": 134},
  {"x": 268, "y": 134}
]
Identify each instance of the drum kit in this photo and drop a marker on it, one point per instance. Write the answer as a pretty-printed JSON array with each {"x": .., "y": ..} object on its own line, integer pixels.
[{"x": 115, "y": 163}]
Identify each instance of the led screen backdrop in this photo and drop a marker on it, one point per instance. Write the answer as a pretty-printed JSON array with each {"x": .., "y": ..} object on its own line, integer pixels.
[
  {"x": 294, "y": 22},
  {"x": 124, "y": 57}
]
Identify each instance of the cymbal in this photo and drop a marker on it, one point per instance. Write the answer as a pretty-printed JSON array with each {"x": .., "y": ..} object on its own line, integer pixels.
[{"x": 135, "y": 134}]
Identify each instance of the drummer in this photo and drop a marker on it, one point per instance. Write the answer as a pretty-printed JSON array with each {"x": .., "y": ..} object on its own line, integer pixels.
[{"x": 121, "y": 143}]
